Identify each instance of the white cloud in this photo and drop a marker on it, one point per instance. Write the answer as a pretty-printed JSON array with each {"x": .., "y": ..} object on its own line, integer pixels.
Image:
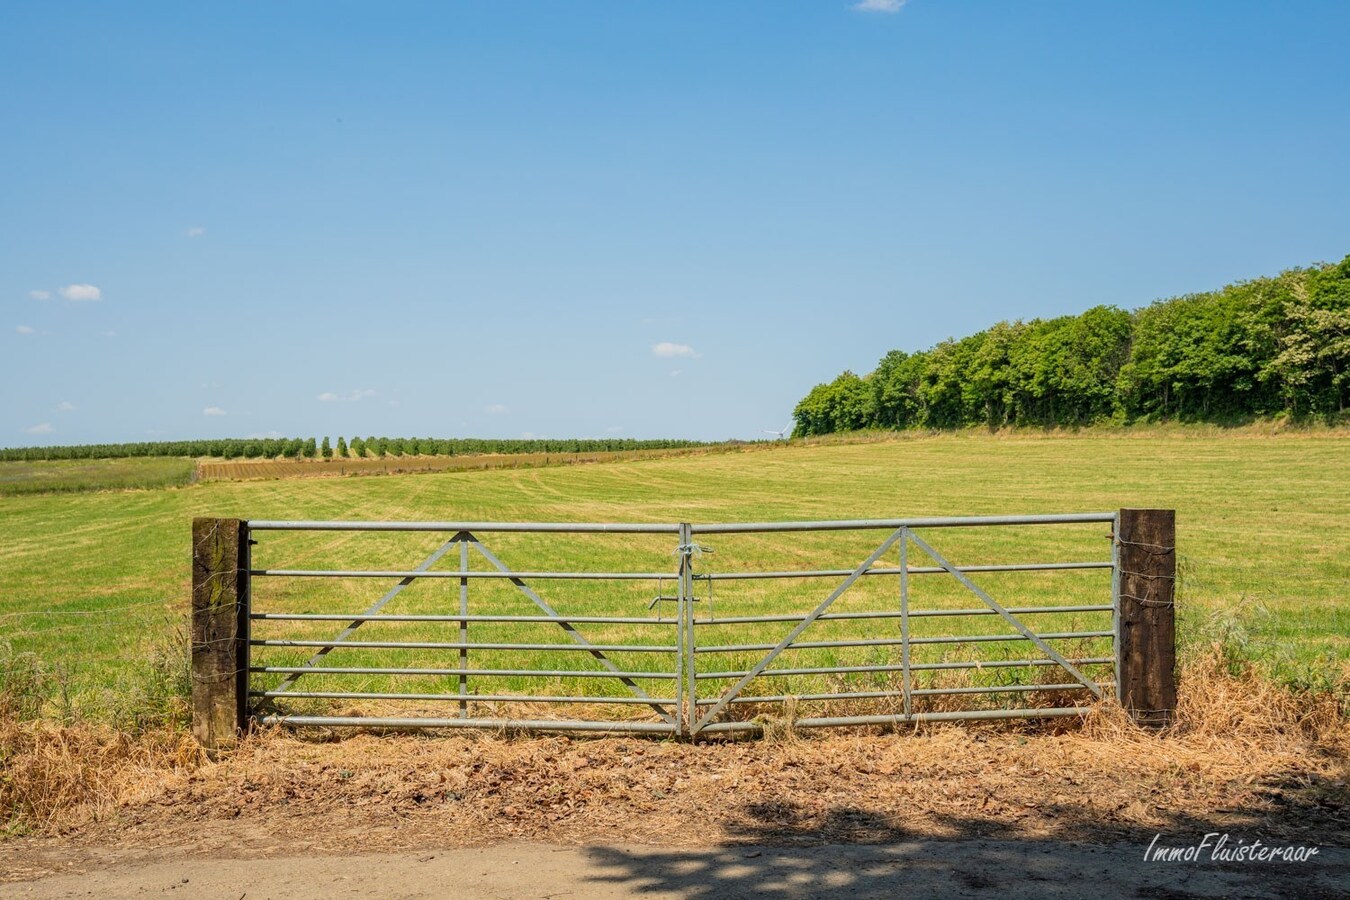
[
  {"x": 25, "y": 329},
  {"x": 670, "y": 350},
  {"x": 40, "y": 295},
  {"x": 196, "y": 231},
  {"x": 65, "y": 406},
  {"x": 350, "y": 397},
  {"x": 81, "y": 292},
  {"x": 676, "y": 373},
  {"x": 529, "y": 436},
  {"x": 614, "y": 429},
  {"x": 347, "y": 397},
  {"x": 496, "y": 409},
  {"x": 213, "y": 411},
  {"x": 40, "y": 428},
  {"x": 879, "y": 6},
  {"x": 260, "y": 435}
]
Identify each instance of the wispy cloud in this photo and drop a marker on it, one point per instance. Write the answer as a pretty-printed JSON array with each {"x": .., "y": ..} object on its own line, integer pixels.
[
  {"x": 496, "y": 409},
  {"x": 614, "y": 429},
  {"x": 529, "y": 436},
  {"x": 676, "y": 373},
  {"x": 261, "y": 435},
  {"x": 81, "y": 292},
  {"x": 40, "y": 295},
  {"x": 196, "y": 231},
  {"x": 213, "y": 411},
  {"x": 40, "y": 428},
  {"x": 65, "y": 406},
  {"x": 346, "y": 397},
  {"x": 25, "y": 329},
  {"x": 671, "y": 350},
  {"x": 879, "y": 6}
]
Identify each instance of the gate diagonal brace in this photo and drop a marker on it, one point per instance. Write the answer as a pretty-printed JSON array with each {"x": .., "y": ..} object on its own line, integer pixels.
[
  {"x": 1009, "y": 617},
  {"x": 571, "y": 629},
  {"x": 825, "y": 604},
  {"x": 347, "y": 632}
]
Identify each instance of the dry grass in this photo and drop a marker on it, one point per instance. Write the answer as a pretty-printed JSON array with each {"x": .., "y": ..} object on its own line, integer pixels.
[
  {"x": 1244, "y": 753},
  {"x": 55, "y": 777}
]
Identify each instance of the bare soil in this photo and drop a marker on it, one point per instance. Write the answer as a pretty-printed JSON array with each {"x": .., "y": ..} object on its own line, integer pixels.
[
  {"x": 954, "y": 811},
  {"x": 973, "y": 810},
  {"x": 921, "y": 868}
]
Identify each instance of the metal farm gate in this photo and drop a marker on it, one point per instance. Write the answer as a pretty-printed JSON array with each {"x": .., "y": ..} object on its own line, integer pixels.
[{"x": 679, "y": 629}]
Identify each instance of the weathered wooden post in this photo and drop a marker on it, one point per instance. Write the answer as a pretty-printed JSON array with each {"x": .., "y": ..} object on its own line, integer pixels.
[
  {"x": 219, "y": 631},
  {"x": 1146, "y": 654}
]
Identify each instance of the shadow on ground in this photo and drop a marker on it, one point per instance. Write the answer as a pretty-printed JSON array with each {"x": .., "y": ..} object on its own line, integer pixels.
[{"x": 779, "y": 850}]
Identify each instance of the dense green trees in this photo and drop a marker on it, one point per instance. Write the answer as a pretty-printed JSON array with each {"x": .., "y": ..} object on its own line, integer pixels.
[{"x": 1265, "y": 347}]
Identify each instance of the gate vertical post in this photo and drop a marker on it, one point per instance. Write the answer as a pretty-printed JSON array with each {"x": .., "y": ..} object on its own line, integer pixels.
[
  {"x": 463, "y": 539},
  {"x": 906, "y": 673},
  {"x": 1146, "y": 647},
  {"x": 220, "y": 631},
  {"x": 689, "y": 702}
]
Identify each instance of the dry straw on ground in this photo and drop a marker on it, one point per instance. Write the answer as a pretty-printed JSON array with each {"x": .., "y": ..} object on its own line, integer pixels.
[{"x": 1244, "y": 753}]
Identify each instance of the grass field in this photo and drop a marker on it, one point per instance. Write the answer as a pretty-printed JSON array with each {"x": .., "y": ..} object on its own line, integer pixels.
[
  {"x": 76, "y": 475},
  {"x": 94, "y": 583}
]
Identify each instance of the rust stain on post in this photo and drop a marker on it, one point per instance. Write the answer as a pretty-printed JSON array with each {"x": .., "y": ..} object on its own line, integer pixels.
[
  {"x": 219, "y": 631},
  {"x": 1147, "y": 649}
]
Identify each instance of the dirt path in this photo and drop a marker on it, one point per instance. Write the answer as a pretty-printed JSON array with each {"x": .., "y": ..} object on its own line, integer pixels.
[{"x": 1008, "y": 870}]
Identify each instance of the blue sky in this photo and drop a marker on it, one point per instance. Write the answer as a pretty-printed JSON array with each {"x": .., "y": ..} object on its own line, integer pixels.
[{"x": 580, "y": 219}]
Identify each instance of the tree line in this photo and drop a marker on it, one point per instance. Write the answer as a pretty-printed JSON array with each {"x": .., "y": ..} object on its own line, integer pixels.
[
  {"x": 1266, "y": 347},
  {"x": 310, "y": 448}
]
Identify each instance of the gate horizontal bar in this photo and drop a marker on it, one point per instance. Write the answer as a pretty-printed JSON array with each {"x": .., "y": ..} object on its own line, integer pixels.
[
  {"x": 418, "y": 724},
  {"x": 539, "y": 673},
  {"x": 892, "y": 524},
  {"x": 459, "y": 698},
  {"x": 437, "y": 645},
  {"x": 500, "y": 527},
  {"x": 895, "y": 614},
  {"x": 992, "y": 664},
  {"x": 415, "y": 574},
  {"x": 1053, "y": 712},
  {"x": 918, "y": 692},
  {"x": 897, "y": 641},
  {"x": 892, "y": 570},
  {"x": 450, "y": 617}
]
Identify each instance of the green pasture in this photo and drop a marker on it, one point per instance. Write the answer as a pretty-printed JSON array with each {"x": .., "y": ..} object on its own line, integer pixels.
[
  {"x": 74, "y": 475},
  {"x": 96, "y": 584}
]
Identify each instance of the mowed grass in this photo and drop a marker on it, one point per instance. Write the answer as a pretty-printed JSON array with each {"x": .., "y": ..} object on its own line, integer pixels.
[
  {"x": 92, "y": 583},
  {"x": 77, "y": 475}
]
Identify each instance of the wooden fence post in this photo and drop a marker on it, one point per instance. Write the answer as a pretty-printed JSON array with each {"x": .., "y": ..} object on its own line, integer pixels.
[
  {"x": 219, "y": 631},
  {"x": 1147, "y": 652}
]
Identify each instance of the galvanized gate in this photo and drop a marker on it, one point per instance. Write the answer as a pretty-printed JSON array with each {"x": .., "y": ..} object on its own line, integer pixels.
[
  {"x": 901, "y": 539},
  {"x": 704, "y": 635}
]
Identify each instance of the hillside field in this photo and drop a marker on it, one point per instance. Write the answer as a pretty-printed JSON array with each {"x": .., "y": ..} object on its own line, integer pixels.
[{"x": 96, "y": 584}]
